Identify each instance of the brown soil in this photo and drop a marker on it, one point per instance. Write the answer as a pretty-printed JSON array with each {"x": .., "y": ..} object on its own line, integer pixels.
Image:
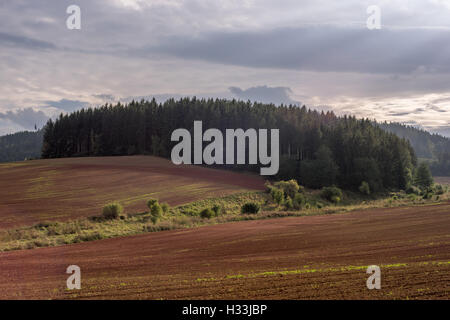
[
  {"x": 316, "y": 257},
  {"x": 62, "y": 189}
]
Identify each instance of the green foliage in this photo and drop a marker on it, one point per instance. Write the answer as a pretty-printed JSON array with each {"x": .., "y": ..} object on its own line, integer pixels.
[
  {"x": 332, "y": 194},
  {"x": 325, "y": 144},
  {"x": 439, "y": 189},
  {"x": 423, "y": 177},
  {"x": 250, "y": 208},
  {"x": 412, "y": 190},
  {"x": 299, "y": 201},
  {"x": 207, "y": 213},
  {"x": 217, "y": 210},
  {"x": 290, "y": 188},
  {"x": 364, "y": 188},
  {"x": 21, "y": 146},
  {"x": 165, "y": 207},
  {"x": 151, "y": 202},
  {"x": 320, "y": 171},
  {"x": 288, "y": 203},
  {"x": 156, "y": 210},
  {"x": 277, "y": 195},
  {"x": 112, "y": 211}
]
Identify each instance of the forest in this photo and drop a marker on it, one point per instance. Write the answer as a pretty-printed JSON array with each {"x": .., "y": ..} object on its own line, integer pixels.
[
  {"x": 21, "y": 146},
  {"x": 433, "y": 148},
  {"x": 316, "y": 148}
]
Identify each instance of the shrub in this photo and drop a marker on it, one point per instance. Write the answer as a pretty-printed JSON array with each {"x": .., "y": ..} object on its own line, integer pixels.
[
  {"x": 207, "y": 213},
  {"x": 43, "y": 225},
  {"x": 288, "y": 203},
  {"x": 165, "y": 207},
  {"x": 364, "y": 188},
  {"x": 250, "y": 208},
  {"x": 290, "y": 188},
  {"x": 217, "y": 210},
  {"x": 277, "y": 195},
  {"x": 335, "y": 199},
  {"x": 439, "y": 189},
  {"x": 427, "y": 195},
  {"x": 332, "y": 194},
  {"x": 156, "y": 210},
  {"x": 299, "y": 201},
  {"x": 412, "y": 190},
  {"x": 268, "y": 186},
  {"x": 154, "y": 219},
  {"x": 88, "y": 237},
  {"x": 151, "y": 202},
  {"x": 112, "y": 211}
]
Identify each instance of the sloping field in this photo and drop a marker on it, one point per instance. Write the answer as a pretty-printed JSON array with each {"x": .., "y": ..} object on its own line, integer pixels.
[
  {"x": 61, "y": 189},
  {"x": 315, "y": 257}
]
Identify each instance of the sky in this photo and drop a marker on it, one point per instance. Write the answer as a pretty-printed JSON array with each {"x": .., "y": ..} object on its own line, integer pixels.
[{"x": 313, "y": 52}]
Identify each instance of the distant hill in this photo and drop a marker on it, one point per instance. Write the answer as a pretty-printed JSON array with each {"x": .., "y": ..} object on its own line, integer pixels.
[
  {"x": 20, "y": 146},
  {"x": 431, "y": 147}
]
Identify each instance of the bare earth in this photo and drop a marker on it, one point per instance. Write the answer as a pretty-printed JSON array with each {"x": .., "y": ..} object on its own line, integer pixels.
[
  {"x": 316, "y": 257},
  {"x": 63, "y": 189}
]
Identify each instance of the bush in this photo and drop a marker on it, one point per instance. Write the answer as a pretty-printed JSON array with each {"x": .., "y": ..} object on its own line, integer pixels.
[
  {"x": 112, "y": 211},
  {"x": 250, "y": 208},
  {"x": 299, "y": 201},
  {"x": 217, "y": 210},
  {"x": 277, "y": 195},
  {"x": 439, "y": 189},
  {"x": 151, "y": 202},
  {"x": 165, "y": 207},
  {"x": 332, "y": 194},
  {"x": 207, "y": 213},
  {"x": 88, "y": 237},
  {"x": 335, "y": 199},
  {"x": 364, "y": 188},
  {"x": 412, "y": 190},
  {"x": 290, "y": 188},
  {"x": 427, "y": 195},
  {"x": 288, "y": 203},
  {"x": 156, "y": 211}
]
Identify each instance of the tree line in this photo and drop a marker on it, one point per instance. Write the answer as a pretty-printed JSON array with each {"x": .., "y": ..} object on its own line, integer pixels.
[
  {"x": 316, "y": 148},
  {"x": 21, "y": 146}
]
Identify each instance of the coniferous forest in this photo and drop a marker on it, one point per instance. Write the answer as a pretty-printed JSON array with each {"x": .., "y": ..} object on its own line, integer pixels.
[
  {"x": 21, "y": 146},
  {"x": 317, "y": 149}
]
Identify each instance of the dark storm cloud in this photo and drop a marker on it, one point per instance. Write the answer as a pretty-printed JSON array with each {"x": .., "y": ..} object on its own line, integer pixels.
[
  {"x": 265, "y": 94},
  {"x": 323, "y": 48},
  {"x": 26, "y": 118}
]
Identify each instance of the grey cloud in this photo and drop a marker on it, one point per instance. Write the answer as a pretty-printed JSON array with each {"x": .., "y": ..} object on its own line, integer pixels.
[
  {"x": 12, "y": 40},
  {"x": 265, "y": 94},
  {"x": 436, "y": 108},
  {"x": 26, "y": 118},
  {"x": 320, "y": 48},
  {"x": 68, "y": 105}
]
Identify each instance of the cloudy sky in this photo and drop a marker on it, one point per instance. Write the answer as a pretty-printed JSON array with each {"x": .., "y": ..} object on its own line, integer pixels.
[{"x": 314, "y": 52}]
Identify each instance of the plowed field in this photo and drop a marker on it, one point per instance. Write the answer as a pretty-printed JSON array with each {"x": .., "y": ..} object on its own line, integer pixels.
[
  {"x": 63, "y": 189},
  {"x": 316, "y": 257}
]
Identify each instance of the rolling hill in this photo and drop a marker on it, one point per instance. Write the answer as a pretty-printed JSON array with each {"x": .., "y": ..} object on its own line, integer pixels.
[{"x": 62, "y": 189}]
